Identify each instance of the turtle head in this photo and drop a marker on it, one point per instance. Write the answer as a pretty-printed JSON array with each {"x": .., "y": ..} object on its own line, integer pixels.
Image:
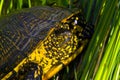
[{"x": 67, "y": 36}]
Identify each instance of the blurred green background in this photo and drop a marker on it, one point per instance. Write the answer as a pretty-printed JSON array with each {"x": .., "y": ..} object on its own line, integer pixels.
[{"x": 101, "y": 59}]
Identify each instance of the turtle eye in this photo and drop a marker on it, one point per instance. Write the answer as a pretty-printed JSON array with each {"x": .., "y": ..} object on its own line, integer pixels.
[{"x": 76, "y": 21}]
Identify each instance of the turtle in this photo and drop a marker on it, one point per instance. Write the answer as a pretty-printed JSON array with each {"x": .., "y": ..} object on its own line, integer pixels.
[{"x": 37, "y": 42}]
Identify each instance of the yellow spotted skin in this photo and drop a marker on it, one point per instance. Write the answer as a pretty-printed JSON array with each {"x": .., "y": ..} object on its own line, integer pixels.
[{"x": 61, "y": 45}]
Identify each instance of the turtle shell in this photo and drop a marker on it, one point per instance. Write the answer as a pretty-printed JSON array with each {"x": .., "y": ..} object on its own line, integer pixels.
[{"x": 28, "y": 37}]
